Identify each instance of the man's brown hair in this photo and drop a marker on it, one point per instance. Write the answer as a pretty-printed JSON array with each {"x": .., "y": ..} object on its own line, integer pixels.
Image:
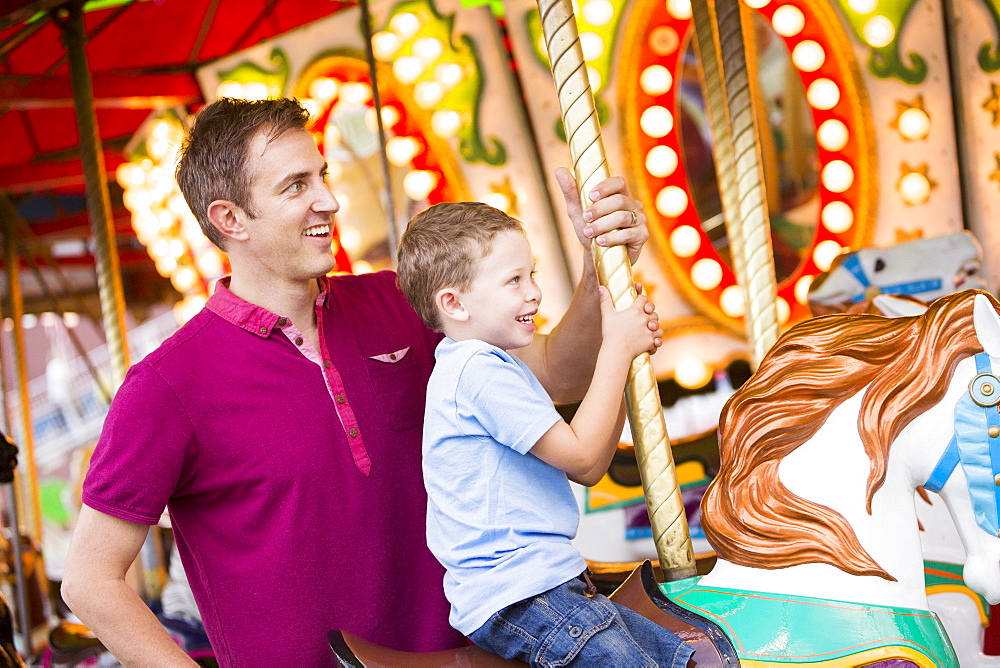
[
  {"x": 440, "y": 249},
  {"x": 215, "y": 155}
]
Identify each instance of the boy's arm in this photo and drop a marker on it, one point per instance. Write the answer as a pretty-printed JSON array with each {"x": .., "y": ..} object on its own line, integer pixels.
[
  {"x": 94, "y": 587},
  {"x": 584, "y": 447},
  {"x": 564, "y": 360}
]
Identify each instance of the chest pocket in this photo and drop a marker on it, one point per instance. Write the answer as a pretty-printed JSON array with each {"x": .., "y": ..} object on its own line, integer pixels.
[{"x": 400, "y": 385}]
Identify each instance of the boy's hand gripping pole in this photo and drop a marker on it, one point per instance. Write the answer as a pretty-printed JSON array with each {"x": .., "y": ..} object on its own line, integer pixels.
[{"x": 645, "y": 412}]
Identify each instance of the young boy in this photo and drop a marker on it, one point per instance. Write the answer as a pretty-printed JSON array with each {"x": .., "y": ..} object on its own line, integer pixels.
[{"x": 498, "y": 458}]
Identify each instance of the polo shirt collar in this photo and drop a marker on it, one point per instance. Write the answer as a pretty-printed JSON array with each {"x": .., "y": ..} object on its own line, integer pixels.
[{"x": 254, "y": 319}]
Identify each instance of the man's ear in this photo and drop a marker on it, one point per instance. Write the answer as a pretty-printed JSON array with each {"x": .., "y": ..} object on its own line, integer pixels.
[
  {"x": 223, "y": 214},
  {"x": 449, "y": 302}
]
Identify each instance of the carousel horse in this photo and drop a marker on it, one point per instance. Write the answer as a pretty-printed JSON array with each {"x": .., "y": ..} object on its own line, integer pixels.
[
  {"x": 923, "y": 268},
  {"x": 812, "y": 513}
]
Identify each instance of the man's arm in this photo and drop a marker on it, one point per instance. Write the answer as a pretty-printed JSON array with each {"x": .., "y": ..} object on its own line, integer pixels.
[
  {"x": 564, "y": 360},
  {"x": 94, "y": 588}
]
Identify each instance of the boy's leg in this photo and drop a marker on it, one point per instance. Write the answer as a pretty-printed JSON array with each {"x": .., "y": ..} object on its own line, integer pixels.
[{"x": 564, "y": 626}]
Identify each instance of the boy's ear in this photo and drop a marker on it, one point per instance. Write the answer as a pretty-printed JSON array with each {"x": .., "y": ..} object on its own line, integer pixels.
[
  {"x": 223, "y": 215},
  {"x": 448, "y": 301}
]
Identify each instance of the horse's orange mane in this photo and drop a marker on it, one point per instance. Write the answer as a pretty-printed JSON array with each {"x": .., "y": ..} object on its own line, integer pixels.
[{"x": 749, "y": 517}]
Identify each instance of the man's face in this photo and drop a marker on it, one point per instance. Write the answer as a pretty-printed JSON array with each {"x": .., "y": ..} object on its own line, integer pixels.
[{"x": 290, "y": 238}]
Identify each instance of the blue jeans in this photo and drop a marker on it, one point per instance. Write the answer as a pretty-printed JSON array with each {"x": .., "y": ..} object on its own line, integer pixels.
[{"x": 566, "y": 627}]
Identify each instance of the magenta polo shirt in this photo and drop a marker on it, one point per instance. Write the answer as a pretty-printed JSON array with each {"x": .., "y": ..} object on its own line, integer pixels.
[{"x": 292, "y": 475}]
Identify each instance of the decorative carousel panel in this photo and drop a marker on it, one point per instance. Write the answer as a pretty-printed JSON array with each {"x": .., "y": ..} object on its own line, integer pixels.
[{"x": 436, "y": 65}]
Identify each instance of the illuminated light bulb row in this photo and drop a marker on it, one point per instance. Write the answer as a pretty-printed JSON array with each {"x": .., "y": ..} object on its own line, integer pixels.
[{"x": 247, "y": 90}]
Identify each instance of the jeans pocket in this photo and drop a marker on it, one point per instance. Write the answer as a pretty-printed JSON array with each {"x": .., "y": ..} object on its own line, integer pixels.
[{"x": 592, "y": 634}]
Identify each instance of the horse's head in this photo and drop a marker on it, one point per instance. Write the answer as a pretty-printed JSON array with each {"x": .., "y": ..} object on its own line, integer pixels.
[
  {"x": 967, "y": 474},
  {"x": 924, "y": 268}
]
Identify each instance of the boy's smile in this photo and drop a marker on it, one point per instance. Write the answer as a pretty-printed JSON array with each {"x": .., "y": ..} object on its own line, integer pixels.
[{"x": 503, "y": 299}]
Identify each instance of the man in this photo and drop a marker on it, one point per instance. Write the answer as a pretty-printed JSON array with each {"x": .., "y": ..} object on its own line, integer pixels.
[{"x": 282, "y": 424}]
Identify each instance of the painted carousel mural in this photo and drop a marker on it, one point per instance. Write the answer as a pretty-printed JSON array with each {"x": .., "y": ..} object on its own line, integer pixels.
[{"x": 875, "y": 134}]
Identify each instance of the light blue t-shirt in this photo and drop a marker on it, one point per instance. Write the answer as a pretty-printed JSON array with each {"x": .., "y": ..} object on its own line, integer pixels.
[{"x": 499, "y": 519}]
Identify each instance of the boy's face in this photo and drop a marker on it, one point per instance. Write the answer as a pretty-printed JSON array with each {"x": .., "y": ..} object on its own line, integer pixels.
[{"x": 503, "y": 299}]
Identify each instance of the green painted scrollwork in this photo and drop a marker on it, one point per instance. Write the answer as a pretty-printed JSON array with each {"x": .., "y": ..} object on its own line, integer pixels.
[
  {"x": 886, "y": 61},
  {"x": 247, "y": 72},
  {"x": 989, "y": 53},
  {"x": 467, "y": 95}
]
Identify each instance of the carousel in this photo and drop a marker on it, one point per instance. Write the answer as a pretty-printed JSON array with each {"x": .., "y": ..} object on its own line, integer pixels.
[{"x": 810, "y": 471}]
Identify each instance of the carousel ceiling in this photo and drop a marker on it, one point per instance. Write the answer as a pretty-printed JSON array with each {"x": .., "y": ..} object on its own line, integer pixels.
[{"x": 142, "y": 55}]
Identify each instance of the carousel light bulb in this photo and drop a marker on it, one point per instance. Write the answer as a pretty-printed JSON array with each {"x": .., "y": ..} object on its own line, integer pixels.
[
  {"x": 427, "y": 94},
  {"x": 863, "y": 6},
  {"x": 788, "y": 20},
  {"x": 47, "y": 319},
  {"x": 312, "y": 106},
  {"x": 184, "y": 279},
  {"x": 8, "y": 325},
  {"x": 837, "y": 217},
  {"x": 825, "y": 252},
  {"x": 233, "y": 89},
  {"x": 448, "y": 75},
  {"x": 157, "y": 147},
  {"x": 255, "y": 90},
  {"x": 71, "y": 319},
  {"x": 731, "y": 302},
  {"x": 390, "y": 116},
  {"x": 685, "y": 241},
  {"x": 706, "y": 274},
  {"x": 808, "y": 55},
  {"x": 592, "y": 45},
  {"x": 210, "y": 264},
  {"x": 162, "y": 129},
  {"x": 160, "y": 249},
  {"x": 361, "y": 267},
  {"x": 692, "y": 372},
  {"x": 407, "y": 69},
  {"x": 428, "y": 49},
  {"x": 832, "y": 135},
  {"x": 663, "y": 40},
  {"x": 594, "y": 78},
  {"x": 350, "y": 238},
  {"x": 355, "y": 92},
  {"x": 679, "y": 9},
  {"x": 446, "y": 123},
  {"x": 915, "y": 188},
  {"x": 671, "y": 201},
  {"x": 802, "y": 289},
  {"x": 661, "y": 161},
  {"x": 419, "y": 183},
  {"x": 757, "y": 4},
  {"x": 177, "y": 205},
  {"x": 164, "y": 220},
  {"x": 655, "y": 80},
  {"x": 323, "y": 89},
  {"x": 385, "y": 45},
  {"x": 914, "y": 124},
  {"x": 29, "y": 320},
  {"x": 129, "y": 174},
  {"x": 137, "y": 199},
  {"x": 499, "y": 201},
  {"x": 823, "y": 94},
  {"x": 406, "y": 25},
  {"x": 177, "y": 248},
  {"x": 598, "y": 12},
  {"x": 400, "y": 150},
  {"x": 879, "y": 31},
  {"x": 656, "y": 121},
  {"x": 783, "y": 309},
  {"x": 837, "y": 176}
]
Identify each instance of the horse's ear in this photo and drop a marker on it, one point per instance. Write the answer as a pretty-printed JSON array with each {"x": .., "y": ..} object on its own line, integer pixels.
[
  {"x": 987, "y": 324},
  {"x": 896, "y": 307}
]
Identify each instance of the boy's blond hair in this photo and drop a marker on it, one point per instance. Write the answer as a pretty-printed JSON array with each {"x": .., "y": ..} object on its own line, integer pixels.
[{"x": 441, "y": 248}]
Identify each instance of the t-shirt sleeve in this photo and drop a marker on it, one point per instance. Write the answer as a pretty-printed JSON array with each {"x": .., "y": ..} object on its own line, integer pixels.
[
  {"x": 145, "y": 446},
  {"x": 504, "y": 401}
]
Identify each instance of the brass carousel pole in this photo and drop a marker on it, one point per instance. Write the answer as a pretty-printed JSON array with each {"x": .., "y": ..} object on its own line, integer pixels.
[
  {"x": 109, "y": 280},
  {"x": 729, "y": 104},
  {"x": 645, "y": 411}
]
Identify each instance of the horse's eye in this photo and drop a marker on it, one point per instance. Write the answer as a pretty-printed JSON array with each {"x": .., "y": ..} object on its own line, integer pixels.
[{"x": 879, "y": 264}]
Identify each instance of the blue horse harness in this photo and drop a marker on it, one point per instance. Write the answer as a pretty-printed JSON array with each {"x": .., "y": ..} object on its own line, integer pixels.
[
  {"x": 853, "y": 264},
  {"x": 976, "y": 445}
]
